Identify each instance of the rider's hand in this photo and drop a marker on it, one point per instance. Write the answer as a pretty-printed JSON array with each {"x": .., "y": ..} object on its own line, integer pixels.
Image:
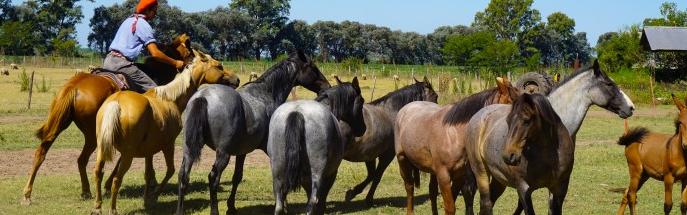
[{"x": 179, "y": 64}]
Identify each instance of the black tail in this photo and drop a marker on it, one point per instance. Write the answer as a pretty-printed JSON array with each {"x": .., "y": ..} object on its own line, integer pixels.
[
  {"x": 295, "y": 145},
  {"x": 196, "y": 128},
  {"x": 633, "y": 136}
]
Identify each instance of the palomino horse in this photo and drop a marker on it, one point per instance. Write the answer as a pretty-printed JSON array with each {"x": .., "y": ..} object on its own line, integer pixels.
[
  {"x": 659, "y": 156},
  {"x": 527, "y": 148},
  {"x": 378, "y": 140},
  {"x": 429, "y": 137},
  {"x": 140, "y": 125},
  {"x": 573, "y": 97},
  {"x": 235, "y": 122},
  {"x": 306, "y": 143},
  {"x": 79, "y": 100}
]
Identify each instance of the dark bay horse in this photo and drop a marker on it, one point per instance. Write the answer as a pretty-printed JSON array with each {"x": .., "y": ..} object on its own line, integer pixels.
[
  {"x": 378, "y": 140},
  {"x": 429, "y": 138},
  {"x": 306, "y": 143},
  {"x": 525, "y": 146},
  {"x": 79, "y": 100},
  {"x": 235, "y": 122},
  {"x": 659, "y": 156},
  {"x": 140, "y": 125}
]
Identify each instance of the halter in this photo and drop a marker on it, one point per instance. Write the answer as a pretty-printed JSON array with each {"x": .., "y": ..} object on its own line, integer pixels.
[{"x": 133, "y": 25}]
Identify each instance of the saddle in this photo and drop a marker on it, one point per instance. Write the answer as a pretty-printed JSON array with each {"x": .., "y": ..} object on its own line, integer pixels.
[{"x": 119, "y": 79}]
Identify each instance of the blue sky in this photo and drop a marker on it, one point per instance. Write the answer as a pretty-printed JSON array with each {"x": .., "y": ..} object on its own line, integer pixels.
[{"x": 592, "y": 16}]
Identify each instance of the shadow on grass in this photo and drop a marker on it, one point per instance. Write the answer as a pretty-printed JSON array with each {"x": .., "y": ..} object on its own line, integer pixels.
[
  {"x": 136, "y": 191},
  {"x": 336, "y": 206}
]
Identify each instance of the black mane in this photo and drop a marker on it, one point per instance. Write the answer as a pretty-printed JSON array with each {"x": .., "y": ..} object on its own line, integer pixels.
[
  {"x": 338, "y": 98},
  {"x": 462, "y": 111},
  {"x": 545, "y": 111},
  {"x": 279, "y": 71},
  {"x": 397, "y": 99}
]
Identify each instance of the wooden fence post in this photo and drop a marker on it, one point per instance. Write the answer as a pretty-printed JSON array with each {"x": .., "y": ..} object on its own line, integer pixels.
[{"x": 30, "y": 89}]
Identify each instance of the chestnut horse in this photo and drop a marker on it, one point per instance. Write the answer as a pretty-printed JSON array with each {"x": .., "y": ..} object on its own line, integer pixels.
[
  {"x": 140, "y": 125},
  {"x": 429, "y": 138},
  {"x": 525, "y": 146},
  {"x": 659, "y": 156},
  {"x": 79, "y": 100}
]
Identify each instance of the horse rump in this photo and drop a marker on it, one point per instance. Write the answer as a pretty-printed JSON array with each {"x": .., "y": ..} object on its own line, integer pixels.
[
  {"x": 633, "y": 136},
  {"x": 196, "y": 128},
  {"x": 294, "y": 139}
]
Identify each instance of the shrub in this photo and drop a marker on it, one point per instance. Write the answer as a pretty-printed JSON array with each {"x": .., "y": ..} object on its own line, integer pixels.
[{"x": 23, "y": 81}]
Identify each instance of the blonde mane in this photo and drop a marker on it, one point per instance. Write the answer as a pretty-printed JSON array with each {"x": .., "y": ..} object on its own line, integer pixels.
[{"x": 178, "y": 86}]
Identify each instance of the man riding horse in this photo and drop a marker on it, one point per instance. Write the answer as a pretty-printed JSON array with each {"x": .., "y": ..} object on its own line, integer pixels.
[{"x": 132, "y": 36}]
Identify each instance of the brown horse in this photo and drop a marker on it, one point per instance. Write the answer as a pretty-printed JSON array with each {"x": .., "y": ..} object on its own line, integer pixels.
[
  {"x": 140, "y": 125},
  {"x": 525, "y": 146},
  {"x": 428, "y": 138},
  {"x": 659, "y": 156},
  {"x": 79, "y": 100}
]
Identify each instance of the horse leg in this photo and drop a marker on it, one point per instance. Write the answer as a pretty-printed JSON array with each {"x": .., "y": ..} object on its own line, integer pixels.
[
  {"x": 357, "y": 189},
  {"x": 98, "y": 174},
  {"x": 406, "y": 170},
  {"x": 525, "y": 198},
  {"x": 184, "y": 171},
  {"x": 444, "y": 181},
  {"x": 235, "y": 181},
  {"x": 82, "y": 161},
  {"x": 683, "y": 203},
  {"x": 557, "y": 196},
  {"x": 630, "y": 197},
  {"x": 468, "y": 190},
  {"x": 327, "y": 184},
  {"x": 668, "y": 203},
  {"x": 433, "y": 193},
  {"x": 148, "y": 176},
  {"x": 221, "y": 162},
  {"x": 117, "y": 182},
  {"x": 38, "y": 158},
  {"x": 483, "y": 186},
  {"x": 168, "y": 152},
  {"x": 108, "y": 182},
  {"x": 384, "y": 162}
]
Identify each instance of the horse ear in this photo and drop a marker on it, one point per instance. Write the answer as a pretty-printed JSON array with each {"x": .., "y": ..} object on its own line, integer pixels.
[
  {"x": 595, "y": 66},
  {"x": 355, "y": 82},
  {"x": 416, "y": 81},
  {"x": 338, "y": 81},
  {"x": 301, "y": 55},
  {"x": 502, "y": 85},
  {"x": 678, "y": 103},
  {"x": 424, "y": 79}
]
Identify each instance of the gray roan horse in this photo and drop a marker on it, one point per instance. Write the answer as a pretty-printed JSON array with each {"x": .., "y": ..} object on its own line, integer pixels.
[
  {"x": 571, "y": 100},
  {"x": 527, "y": 147},
  {"x": 235, "y": 122},
  {"x": 306, "y": 142},
  {"x": 378, "y": 140}
]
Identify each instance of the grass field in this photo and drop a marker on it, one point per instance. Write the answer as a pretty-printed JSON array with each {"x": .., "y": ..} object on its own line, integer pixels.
[{"x": 600, "y": 169}]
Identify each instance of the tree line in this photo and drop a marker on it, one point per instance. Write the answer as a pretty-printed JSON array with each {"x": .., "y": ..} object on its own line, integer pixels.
[{"x": 506, "y": 34}]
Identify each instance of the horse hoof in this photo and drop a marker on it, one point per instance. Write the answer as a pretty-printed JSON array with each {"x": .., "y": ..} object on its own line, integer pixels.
[
  {"x": 26, "y": 201},
  {"x": 231, "y": 210},
  {"x": 349, "y": 195},
  {"x": 86, "y": 196}
]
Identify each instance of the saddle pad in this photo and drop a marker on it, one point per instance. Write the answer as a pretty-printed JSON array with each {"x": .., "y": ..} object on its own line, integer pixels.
[{"x": 119, "y": 79}]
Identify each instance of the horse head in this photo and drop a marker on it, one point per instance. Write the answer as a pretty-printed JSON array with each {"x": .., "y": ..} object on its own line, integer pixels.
[
  {"x": 605, "y": 93},
  {"x": 180, "y": 48},
  {"x": 681, "y": 121},
  {"x": 308, "y": 76},
  {"x": 531, "y": 118},
  {"x": 346, "y": 102},
  {"x": 428, "y": 94},
  {"x": 207, "y": 70}
]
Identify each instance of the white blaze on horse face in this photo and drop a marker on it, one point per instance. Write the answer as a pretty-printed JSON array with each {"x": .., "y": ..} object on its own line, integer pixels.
[{"x": 627, "y": 99}]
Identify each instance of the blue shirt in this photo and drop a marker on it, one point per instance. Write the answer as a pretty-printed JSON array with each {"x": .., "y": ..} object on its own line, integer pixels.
[{"x": 129, "y": 40}]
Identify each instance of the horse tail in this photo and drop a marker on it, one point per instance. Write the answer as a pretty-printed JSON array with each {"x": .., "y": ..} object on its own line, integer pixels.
[
  {"x": 196, "y": 127},
  {"x": 295, "y": 145},
  {"x": 109, "y": 130},
  {"x": 59, "y": 116},
  {"x": 632, "y": 136},
  {"x": 416, "y": 177}
]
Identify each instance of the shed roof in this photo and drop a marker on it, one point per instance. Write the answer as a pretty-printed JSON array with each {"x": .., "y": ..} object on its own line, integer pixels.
[{"x": 660, "y": 38}]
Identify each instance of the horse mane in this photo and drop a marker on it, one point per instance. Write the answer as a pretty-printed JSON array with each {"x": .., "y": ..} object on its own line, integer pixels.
[
  {"x": 176, "y": 87},
  {"x": 402, "y": 96},
  {"x": 274, "y": 73},
  {"x": 463, "y": 110},
  {"x": 571, "y": 76},
  {"x": 677, "y": 126},
  {"x": 542, "y": 106},
  {"x": 337, "y": 98}
]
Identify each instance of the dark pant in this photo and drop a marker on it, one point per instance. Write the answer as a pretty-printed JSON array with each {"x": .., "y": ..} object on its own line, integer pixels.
[{"x": 138, "y": 80}]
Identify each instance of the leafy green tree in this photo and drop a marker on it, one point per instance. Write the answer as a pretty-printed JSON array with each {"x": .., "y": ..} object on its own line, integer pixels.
[
  {"x": 17, "y": 38},
  {"x": 508, "y": 19},
  {"x": 270, "y": 16},
  {"x": 621, "y": 50}
]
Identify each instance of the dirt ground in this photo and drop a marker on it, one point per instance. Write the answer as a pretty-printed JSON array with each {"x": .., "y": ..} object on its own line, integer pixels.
[{"x": 63, "y": 162}]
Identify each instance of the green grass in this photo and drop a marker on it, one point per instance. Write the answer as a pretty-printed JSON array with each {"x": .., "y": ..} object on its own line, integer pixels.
[{"x": 600, "y": 168}]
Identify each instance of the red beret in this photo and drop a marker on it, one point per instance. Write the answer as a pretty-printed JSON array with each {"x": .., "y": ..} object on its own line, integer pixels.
[{"x": 145, "y": 4}]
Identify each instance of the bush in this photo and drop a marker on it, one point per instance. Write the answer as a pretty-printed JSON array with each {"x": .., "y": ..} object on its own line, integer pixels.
[
  {"x": 23, "y": 81},
  {"x": 356, "y": 64},
  {"x": 45, "y": 87}
]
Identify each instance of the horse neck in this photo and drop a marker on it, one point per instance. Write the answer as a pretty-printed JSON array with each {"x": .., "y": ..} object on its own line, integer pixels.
[
  {"x": 179, "y": 90},
  {"x": 276, "y": 88},
  {"x": 571, "y": 103}
]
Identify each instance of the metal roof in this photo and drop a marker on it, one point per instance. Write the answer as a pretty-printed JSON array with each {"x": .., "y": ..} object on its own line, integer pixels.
[{"x": 655, "y": 38}]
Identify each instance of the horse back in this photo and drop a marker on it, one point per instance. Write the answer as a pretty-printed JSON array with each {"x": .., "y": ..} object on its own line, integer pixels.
[
  {"x": 659, "y": 154},
  {"x": 419, "y": 132},
  {"x": 378, "y": 137}
]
